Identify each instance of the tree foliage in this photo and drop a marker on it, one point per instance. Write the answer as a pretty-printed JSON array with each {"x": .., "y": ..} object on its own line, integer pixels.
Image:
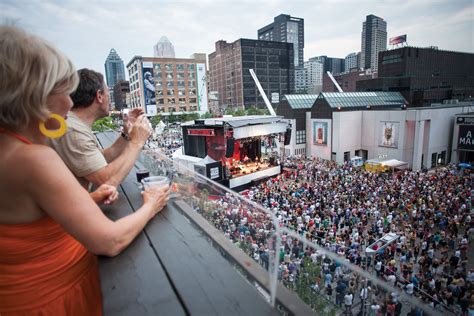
[{"x": 104, "y": 124}]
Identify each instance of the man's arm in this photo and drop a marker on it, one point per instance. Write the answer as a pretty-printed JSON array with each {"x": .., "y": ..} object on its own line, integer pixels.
[
  {"x": 117, "y": 170},
  {"x": 112, "y": 152}
]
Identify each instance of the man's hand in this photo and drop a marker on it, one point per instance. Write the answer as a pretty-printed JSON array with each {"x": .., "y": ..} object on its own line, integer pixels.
[
  {"x": 106, "y": 194},
  {"x": 130, "y": 119},
  {"x": 141, "y": 130}
]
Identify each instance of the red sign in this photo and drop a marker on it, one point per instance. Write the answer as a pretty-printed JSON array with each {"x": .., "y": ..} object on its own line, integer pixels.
[
  {"x": 201, "y": 132},
  {"x": 398, "y": 40}
]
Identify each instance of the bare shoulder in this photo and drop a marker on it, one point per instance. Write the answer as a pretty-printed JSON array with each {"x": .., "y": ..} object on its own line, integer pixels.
[{"x": 32, "y": 160}]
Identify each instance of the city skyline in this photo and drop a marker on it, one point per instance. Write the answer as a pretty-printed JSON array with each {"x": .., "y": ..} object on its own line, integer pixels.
[{"x": 86, "y": 33}]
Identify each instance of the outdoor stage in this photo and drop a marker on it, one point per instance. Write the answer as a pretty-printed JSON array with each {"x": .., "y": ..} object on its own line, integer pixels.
[{"x": 235, "y": 151}]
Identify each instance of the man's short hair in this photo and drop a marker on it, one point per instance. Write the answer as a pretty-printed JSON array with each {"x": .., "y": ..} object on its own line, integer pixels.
[{"x": 90, "y": 82}]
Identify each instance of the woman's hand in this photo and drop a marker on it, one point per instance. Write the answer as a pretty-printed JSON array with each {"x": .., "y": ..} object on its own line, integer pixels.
[
  {"x": 156, "y": 198},
  {"x": 106, "y": 194}
]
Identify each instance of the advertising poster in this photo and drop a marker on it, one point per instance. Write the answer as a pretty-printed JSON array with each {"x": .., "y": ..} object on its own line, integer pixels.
[
  {"x": 388, "y": 134},
  {"x": 320, "y": 133},
  {"x": 149, "y": 87},
  {"x": 201, "y": 87},
  {"x": 465, "y": 140}
]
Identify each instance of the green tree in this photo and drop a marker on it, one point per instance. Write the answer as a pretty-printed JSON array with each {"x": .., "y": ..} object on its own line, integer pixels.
[
  {"x": 172, "y": 118},
  {"x": 155, "y": 120},
  {"x": 104, "y": 124},
  {"x": 239, "y": 112},
  {"x": 206, "y": 115}
]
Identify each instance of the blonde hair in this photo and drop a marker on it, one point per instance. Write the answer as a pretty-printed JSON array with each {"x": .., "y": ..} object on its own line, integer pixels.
[{"x": 30, "y": 70}]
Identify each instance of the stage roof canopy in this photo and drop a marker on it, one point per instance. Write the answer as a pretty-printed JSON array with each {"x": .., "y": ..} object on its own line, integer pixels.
[
  {"x": 247, "y": 126},
  {"x": 239, "y": 121}
]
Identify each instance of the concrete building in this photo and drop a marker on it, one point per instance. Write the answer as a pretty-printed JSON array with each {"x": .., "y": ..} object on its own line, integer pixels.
[
  {"x": 230, "y": 77},
  {"x": 424, "y": 75},
  {"x": 164, "y": 48},
  {"x": 374, "y": 40},
  {"x": 314, "y": 79},
  {"x": 378, "y": 125},
  {"x": 121, "y": 89},
  {"x": 167, "y": 85},
  {"x": 294, "y": 108}
]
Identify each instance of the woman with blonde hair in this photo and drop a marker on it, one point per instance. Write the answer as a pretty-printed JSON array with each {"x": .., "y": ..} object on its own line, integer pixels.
[{"x": 50, "y": 228}]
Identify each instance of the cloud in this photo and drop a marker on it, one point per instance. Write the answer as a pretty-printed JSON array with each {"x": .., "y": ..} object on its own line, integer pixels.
[{"x": 87, "y": 30}]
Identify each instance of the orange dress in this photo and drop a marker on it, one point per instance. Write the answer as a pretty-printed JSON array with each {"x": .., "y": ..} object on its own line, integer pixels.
[{"x": 45, "y": 271}]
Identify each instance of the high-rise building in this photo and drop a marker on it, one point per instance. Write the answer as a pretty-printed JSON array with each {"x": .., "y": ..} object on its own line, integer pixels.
[
  {"x": 351, "y": 62},
  {"x": 288, "y": 29},
  {"x": 374, "y": 40},
  {"x": 332, "y": 64},
  {"x": 314, "y": 76},
  {"x": 164, "y": 48},
  {"x": 114, "y": 69},
  {"x": 166, "y": 85},
  {"x": 424, "y": 75},
  {"x": 273, "y": 63}
]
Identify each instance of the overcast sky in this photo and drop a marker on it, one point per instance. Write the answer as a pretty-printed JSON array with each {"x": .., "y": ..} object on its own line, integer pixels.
[{"x": 86, "y": 30}]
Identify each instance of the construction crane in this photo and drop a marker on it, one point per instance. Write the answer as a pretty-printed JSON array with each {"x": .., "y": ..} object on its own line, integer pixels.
[
  {"x": 334, "y": 81},
  {"x": 264, "y": 96}
]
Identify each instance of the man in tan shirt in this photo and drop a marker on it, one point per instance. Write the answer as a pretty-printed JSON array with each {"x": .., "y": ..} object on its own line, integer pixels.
[{"x": 79, "y": 147}]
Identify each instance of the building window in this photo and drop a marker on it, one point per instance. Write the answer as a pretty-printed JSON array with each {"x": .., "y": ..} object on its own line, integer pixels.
[
  {"x": 158, "y": 66},
  {"x": 192, "y": 100},
  {"x": 179, "y": 67},
  {"x": 190, "y": 67},
  {"x": 170, "y": 92},
  {"x": 169, "y": 67},
  {"x": 301, "y": 137}
]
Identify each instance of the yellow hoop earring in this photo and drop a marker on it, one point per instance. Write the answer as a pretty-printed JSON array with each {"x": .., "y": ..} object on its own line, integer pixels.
[{"x": 54, "y": 133}]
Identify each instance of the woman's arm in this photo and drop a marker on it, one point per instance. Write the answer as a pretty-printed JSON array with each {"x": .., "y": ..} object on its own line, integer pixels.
[{"x": 60, "y": 195}]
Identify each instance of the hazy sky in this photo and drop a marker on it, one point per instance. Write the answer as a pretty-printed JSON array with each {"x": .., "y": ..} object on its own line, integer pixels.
[{"x": 86, "y": 30}]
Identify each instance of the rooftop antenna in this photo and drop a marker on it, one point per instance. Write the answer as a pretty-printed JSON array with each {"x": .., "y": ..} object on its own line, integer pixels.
[
  {"x": 334, "y": 81},
  {"x": 264, "y": 96}
]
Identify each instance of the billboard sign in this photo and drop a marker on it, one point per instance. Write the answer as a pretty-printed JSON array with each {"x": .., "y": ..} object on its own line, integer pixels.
[
  {"x": 275, "y": 97},
  {"x": 202, "y": 87},
  {"x": 149, "y": 87},
  {"x": 388, "y": 134},
  {"x": 320, "y": 133},
  {"x": 465, "y": 140},
  {"x": 398, "y": 39}
]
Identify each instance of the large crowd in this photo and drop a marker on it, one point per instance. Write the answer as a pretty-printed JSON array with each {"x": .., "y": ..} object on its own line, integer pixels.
[{"x": 345, "y": 209}]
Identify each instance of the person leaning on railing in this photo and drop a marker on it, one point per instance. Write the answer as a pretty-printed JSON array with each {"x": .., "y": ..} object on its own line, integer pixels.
[{"x": 50, "y": 227}]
